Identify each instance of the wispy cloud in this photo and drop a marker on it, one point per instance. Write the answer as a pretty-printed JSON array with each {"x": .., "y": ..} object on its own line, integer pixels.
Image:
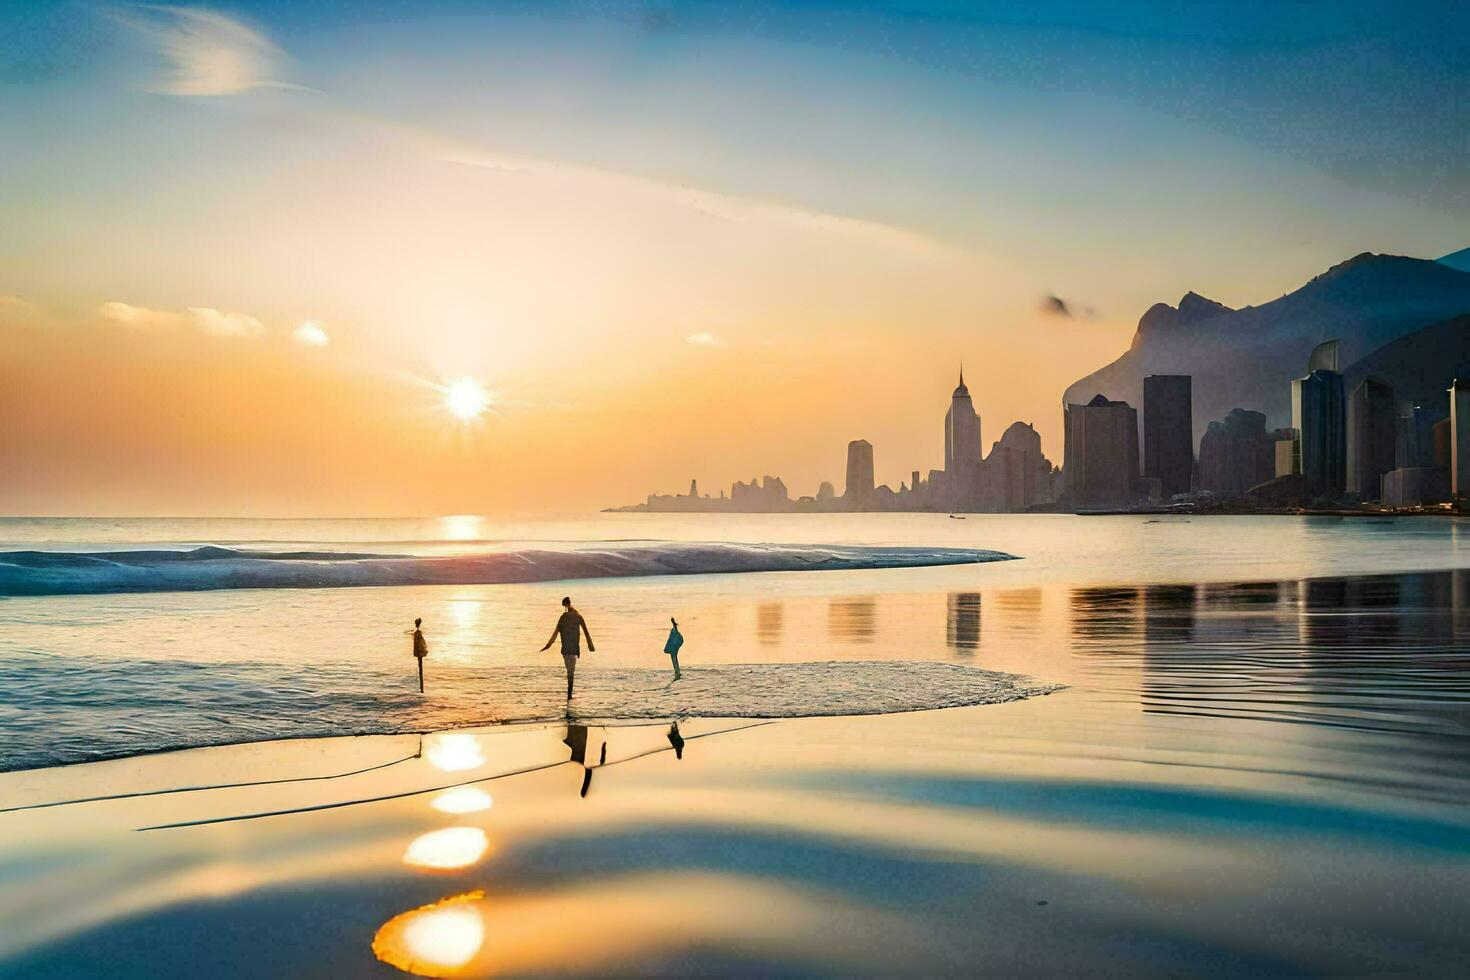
[
  {"x": 311, "y": 335},
  {"x": 714, "y": 204},
  {"x": 203, "y": 53},
  {"x": 138, "y": 316},
  {"x": 208, "y": 54},
  {"x": 218, "y": 323},
  {"x": 704, "y": 339},
  {"x": 223, "y": 324}
]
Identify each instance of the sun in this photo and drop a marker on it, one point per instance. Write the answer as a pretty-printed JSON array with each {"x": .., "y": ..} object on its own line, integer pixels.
[{"x": 466, "y": 399}]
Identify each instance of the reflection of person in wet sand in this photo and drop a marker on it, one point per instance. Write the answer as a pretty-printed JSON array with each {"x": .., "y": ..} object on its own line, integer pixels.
[
  {"x": 570, "y": 626},
  {"x": 576, "y": 740}
]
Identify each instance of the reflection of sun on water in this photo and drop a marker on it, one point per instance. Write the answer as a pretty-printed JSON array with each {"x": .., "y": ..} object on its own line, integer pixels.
[
  {"x": 462, "y": 799},
  {"x": 447, "y": 849},
  {"x": 433, "y": 941},
  {"x": 454, "y": 751},
  {"x": 460, "y": 527}
]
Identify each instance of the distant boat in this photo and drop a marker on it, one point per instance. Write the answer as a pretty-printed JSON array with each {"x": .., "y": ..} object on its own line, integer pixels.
[{"x": 954, "y": 518}]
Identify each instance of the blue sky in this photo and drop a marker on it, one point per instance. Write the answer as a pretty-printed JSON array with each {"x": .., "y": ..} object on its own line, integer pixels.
[{"x": 878, "y": 188}]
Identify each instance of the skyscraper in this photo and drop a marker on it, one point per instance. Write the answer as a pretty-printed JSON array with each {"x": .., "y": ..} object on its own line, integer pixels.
[
  {"x": 961, "y": 430},
  {"x": 859, "y": 472},
  {"x": 1414, "y": 440},
  {"x": 1168, "y": 432},
  {"x": 1370, "y": 437},
  {"x": 1101, "y": 454},
  {"x": 961, "y": 485},
  {"x": 1460, "y": 437},
  {"x": 1319, "y": 415},
  {"x": 1236, "y": 453}
]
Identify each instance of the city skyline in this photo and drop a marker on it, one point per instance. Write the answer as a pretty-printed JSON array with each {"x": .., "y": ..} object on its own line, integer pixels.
[{"x": 612, "y": 237}]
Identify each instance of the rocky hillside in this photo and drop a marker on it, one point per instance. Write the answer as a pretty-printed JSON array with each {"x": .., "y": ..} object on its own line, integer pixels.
[{"x": 1246, "y": 358}]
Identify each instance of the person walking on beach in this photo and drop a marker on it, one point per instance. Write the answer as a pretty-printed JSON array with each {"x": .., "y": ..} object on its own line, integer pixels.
[
  {"x": 570, "y": 627},
  {"x": 420, "y": 649},
  {"x": 675, "y": 641}
]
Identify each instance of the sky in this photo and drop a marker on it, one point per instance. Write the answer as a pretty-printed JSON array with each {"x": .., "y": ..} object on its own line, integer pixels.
[{"x": 247, "y": 248}]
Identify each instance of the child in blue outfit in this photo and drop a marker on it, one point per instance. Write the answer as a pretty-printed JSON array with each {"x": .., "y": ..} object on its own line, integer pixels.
[{"x": 676, "y": 640}]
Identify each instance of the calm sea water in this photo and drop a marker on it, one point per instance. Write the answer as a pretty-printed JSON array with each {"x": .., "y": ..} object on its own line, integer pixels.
[{"x": 1261, "y": 761}]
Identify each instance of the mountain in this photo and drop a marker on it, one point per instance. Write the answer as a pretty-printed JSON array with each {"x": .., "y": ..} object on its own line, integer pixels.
[
  {"x": 1247, "y": 358},
  {"x": 1458, "y": 260},
  {"x": 1421, "y": 365}
]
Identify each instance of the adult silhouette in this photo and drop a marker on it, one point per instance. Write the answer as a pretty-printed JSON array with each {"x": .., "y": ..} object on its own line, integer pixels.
[{"x": 570, "y": 626}]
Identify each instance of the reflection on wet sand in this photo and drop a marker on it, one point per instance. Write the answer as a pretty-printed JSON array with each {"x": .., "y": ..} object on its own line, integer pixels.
[
  {"x": 1373, "y": 653},
  {"x": 1168, "y": 613},
  {"x": 1106, "y": 613},
  {"x": 852, "y": 620},
  {"x": 962, "y": 620},
  {"x": 435, "y": 940},
  {"x": 453, "y": 751},
  {"x": 447, "y": 849},
  {"x": 1020, "y": 609},
  {"x": 769, "y": 619},
  {"x": 462, "y": 799},
  {"x": 624, "y": 924}
]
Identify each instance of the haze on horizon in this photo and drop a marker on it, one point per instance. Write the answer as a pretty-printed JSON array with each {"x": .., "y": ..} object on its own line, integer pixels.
[{"x": 246, "y": 247}]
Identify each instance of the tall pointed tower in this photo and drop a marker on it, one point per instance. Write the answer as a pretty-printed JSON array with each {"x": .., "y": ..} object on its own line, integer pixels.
[{"x": 961, "y": 430}]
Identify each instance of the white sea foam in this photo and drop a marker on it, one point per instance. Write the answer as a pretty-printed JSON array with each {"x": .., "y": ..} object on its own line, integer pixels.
[
  {"x": 69, "y": 573},
  {"x": 82, "y": 709}
]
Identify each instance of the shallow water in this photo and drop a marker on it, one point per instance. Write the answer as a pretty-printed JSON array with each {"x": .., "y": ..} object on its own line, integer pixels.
[
  {"x": 98, "y": 676},
  {"x": 1260, "y": 764}
]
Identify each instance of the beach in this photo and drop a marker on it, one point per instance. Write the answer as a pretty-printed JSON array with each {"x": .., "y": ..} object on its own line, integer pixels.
[{"x": 1231, "y": 751}]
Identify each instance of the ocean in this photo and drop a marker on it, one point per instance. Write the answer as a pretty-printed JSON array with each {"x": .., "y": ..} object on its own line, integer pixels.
[
  {"x": 122, "y": 666},
  {"x": 1145, "y": 745}
]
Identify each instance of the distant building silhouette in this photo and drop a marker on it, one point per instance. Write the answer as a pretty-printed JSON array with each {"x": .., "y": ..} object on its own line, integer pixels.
[
  {"x": 961, "y": 429},
  {"x": 1460, "y": 437},
  {"x": 1168, "y": 432},
  {"x": 1016, "y": 475},
  {"x": 1414, "y": 435},
  {"x": 769, "y": 494},
  {"x": 1441, "y": 440},
  {"x": 1370, "y": 437},
  {"x": 1236, "y": 453},
  {"x": 1418, "y": 477},
  {"x": 962, "y": 449},
  {"x": 859, "y": 490},
  {"x": 1288, "y": 452},
  {"x": 1414, "y": 486},
  {"x": 1101, "y": 454},
  {"x": 1319, "y": 415}
]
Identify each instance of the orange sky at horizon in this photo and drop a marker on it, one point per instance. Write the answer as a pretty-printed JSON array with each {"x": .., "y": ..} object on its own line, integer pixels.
[
  {"x": 243, "y": 250},
  {"x": 113, "y": 420}
]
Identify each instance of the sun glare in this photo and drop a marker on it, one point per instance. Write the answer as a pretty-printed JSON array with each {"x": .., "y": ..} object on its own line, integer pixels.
[{"x": 466, "y": 399}]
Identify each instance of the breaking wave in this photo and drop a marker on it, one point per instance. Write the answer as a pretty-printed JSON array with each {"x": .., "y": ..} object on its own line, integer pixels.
[
  {"x": 61, "y": 710},
  {"x": 33, "y": 573}
]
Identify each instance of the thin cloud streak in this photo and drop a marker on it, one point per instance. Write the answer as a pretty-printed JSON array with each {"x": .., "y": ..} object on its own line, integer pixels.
[
  {"x": 206, "y": 54},
  {"x": 218, "y": 323}
]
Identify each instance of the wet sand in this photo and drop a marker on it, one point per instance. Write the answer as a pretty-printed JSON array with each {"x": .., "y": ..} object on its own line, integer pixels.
[{"x": 954, "y": 841}]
